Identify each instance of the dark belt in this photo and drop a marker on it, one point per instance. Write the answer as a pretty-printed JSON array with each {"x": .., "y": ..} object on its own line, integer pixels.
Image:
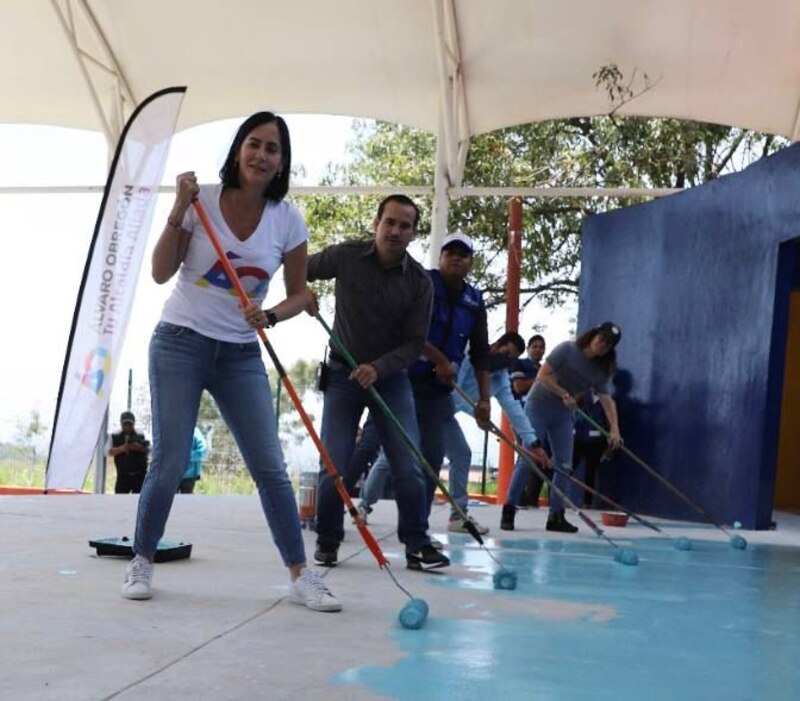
[{"x": 337, "y": 358}]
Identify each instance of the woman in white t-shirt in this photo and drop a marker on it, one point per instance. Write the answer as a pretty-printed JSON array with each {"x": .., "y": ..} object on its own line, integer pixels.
[{"x": 203, "y": 342}]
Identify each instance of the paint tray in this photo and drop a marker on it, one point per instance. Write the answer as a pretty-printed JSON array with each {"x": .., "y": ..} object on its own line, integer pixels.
[{"x": 166, "y": 550}]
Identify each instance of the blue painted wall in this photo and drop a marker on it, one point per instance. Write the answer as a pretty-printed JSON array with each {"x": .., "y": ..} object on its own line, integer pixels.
[{"x": 693, "y": 281}]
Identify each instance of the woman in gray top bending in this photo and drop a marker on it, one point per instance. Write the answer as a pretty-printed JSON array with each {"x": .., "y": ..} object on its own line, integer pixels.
[{"x": 572, "y": 368}]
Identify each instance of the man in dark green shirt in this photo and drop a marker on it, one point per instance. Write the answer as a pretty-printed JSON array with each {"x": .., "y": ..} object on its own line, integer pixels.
[{"x": 383, "y": 307}]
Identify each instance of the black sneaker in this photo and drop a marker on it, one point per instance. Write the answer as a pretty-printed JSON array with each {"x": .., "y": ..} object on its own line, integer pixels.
[
  {"x": 326, "y": 554},
  {"x": 426, "y": 557},
  {"x": 507, "y": 519},
  {"x": 557, "y": 522}
]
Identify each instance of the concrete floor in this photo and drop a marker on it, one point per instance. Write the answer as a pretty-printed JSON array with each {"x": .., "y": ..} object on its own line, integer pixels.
[{"x": 711, "y": 623}]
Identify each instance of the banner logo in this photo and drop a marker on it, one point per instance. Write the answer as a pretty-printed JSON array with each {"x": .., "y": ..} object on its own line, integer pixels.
[
  {"x": 217, "y": 277},
  {"x": 96, "y": 367}
]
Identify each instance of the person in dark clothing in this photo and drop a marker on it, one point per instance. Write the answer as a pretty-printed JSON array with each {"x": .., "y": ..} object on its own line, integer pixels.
[
  {"x": 129, "y": 450},
  {"x": 523, "y": 374},
  {"x": 590, "y": 447},
  {"x": 523, "y": 371},
  {"x": 458, "y": 332},
  {"x": 382, "y": 310}
]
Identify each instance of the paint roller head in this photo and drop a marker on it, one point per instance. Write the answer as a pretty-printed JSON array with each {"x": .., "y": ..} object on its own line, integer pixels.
[
  {"x": 505, "y": 578},
  {"x": 414, "y": 614},
  {"x": 738, "y": 542},
  {"x": 626, "y": 556},
  {"x": 683, "y": 543}
]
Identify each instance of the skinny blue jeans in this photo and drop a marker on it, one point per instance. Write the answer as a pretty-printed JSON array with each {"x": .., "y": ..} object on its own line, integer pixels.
[
  {"x": 182, "y": 364},
  {"x": 555, "y": 423},
  {"x": 459, "y": 454},
  {"x": 345, "y": 401}
]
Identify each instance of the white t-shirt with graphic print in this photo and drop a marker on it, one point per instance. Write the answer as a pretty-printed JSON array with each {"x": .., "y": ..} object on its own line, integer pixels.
[{"x": 203, "y": 298}]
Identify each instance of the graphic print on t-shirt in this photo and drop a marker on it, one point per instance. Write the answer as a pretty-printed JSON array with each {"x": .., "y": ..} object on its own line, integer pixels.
[{"x": 217, "y": 277}]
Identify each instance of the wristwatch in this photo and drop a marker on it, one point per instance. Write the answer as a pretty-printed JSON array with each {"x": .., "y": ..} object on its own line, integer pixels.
[{"x": 271, "y": 318}]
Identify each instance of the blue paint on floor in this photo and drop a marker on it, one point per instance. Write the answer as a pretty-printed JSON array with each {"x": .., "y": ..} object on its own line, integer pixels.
[{"x": 711, "y": 623}]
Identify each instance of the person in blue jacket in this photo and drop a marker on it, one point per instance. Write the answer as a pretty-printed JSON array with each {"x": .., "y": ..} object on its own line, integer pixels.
[
  {"x": 458, "y": 319},
  {"x": 196, "y": 457},
  {"x": 502, "y": 354}
]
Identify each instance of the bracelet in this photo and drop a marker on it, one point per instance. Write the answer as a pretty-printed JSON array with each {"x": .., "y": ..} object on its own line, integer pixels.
[
  {"x": 271, "y": 318},
  {"x": 173, "y": 224}
]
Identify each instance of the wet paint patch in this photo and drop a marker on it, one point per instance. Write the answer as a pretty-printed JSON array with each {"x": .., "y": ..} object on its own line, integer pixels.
[{"x": 700, "y": 624}]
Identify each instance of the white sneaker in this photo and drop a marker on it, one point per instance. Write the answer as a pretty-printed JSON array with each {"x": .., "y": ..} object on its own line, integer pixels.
[
  {"x": 138, "y": 576},
  {"x": 457, "y": 525},
  {"x": 309, "y": 590}
]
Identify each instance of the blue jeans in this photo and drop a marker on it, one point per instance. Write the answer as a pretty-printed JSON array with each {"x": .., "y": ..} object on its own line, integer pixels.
[
  {"x": 374, "y": 485},
  {"x": 555, "y": 423},
  {"x": 345, "y": 401},
  {"x": 182, "y": 364},
  {"x": 434, "y": 411},
  {"x": 459, "y": 455}
]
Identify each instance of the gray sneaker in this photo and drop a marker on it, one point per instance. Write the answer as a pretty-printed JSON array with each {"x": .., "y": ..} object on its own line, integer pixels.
[
  {"x": 310, "y": 590},
  {"x": 138, "y": 576},
  {"x": 458, "y": 525},
  {"x": 364, "y": 512}
]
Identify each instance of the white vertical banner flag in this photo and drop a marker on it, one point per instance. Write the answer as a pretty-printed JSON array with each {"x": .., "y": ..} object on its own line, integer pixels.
[{"x": 108, "y": 286}]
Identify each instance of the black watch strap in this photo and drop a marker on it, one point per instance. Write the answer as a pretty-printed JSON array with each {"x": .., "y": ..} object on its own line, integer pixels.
[{"x": 271, "y": 318}]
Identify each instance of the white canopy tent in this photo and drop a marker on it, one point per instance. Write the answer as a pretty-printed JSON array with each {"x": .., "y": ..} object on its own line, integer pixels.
[{"x": 457, "y": 68}]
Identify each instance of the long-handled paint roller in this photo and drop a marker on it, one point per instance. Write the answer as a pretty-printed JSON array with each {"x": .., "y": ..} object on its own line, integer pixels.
[
  {"x": 736, "y": 541},
  {"x": 627, "y": 556},
  {"x": 681, "y": 543},
  {"x": 504, "y": 578},
  {"x": 415, "y": 612}
]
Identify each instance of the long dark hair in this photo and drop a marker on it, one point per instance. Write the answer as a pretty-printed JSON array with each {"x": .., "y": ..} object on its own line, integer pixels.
[
  {"x": 279, "y": 185},
  {"x": 608, "y": 361}
]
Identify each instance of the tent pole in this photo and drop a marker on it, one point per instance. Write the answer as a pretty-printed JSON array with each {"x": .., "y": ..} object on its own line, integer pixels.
[
  {"x": 506, "y": 460},
  {"x": 441, "y": 200}
]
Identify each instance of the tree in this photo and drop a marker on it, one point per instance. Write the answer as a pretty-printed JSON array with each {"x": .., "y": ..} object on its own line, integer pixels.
[
  {"x": 606, "y": 151},
  {"x": 32, "y": 434},
  {"x": 223, "y": 453},
  {"x": 303, "y": 376}
]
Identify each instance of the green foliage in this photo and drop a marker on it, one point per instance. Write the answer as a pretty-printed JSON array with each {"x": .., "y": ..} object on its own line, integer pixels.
[
  {"x": 303, "y": 376},
  {"x": 580, "y": 152},
  {"x": 382, "y": 154},
  {"x": 32, "y": 434},
  {"x": 223, "y": 454},
  {"x": 21, "y": 470}
]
